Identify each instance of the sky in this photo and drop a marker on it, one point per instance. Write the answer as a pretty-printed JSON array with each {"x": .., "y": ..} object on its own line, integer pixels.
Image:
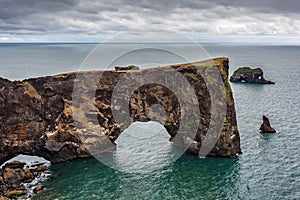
[{"x": 261, "y": 21}]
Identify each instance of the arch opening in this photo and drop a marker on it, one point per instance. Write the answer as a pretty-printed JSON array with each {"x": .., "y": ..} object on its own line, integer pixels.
[{"x": 143, "y": 147}]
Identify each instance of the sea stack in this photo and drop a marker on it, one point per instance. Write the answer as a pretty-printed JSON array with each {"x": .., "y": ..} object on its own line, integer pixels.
[
  {"x": 266, "y": 127},
  {"x": 248, "y": 75}
]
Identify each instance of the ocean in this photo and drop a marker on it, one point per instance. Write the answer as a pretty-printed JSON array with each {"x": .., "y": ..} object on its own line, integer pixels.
[{"x": 269, "y": 167}]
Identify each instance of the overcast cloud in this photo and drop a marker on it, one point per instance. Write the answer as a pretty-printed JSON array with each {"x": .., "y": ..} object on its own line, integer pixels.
[{"x": 210, "y": 21}]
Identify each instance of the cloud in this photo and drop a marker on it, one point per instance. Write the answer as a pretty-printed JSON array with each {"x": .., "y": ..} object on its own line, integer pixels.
[{"x": 78, "y": 20}]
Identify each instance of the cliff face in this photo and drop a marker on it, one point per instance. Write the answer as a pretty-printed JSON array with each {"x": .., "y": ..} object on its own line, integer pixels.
[{"x": 37, "y": 115}]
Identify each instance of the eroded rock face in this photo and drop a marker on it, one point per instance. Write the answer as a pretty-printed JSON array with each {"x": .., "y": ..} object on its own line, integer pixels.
[
  {"x": 36, "y": 115},
  {"x": 248, "y": 75}
]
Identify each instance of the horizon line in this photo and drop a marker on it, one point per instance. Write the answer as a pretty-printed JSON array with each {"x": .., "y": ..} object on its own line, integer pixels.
[{"x": 154, "y": 42}]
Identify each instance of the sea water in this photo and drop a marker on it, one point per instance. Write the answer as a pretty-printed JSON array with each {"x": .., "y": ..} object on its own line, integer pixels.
[{"x": 269, "y": 167}]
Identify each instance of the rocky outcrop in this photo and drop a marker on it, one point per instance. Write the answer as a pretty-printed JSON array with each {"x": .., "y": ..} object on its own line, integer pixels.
[
  {"x": 248, "y": 75},
  {"x": 266, "y": 127},
  {"x": 37, "y": 115},
  {"x": 13, "y": 175},
  {"x": 130, "y": 67}
]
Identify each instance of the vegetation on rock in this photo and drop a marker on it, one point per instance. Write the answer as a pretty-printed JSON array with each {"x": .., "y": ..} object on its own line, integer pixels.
[
  {"x": 248, "y": 75},
  {"x": 242, "y": 70}
]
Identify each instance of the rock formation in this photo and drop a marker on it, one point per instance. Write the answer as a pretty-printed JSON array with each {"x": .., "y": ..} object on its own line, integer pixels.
[
  {"x": 37, "y": 115},
  {"x": 130, "y": 67},
  {"x": 248, "y": 75},
  {"x": 266, "y": 127},
  {"x": 13, "y": 175}
]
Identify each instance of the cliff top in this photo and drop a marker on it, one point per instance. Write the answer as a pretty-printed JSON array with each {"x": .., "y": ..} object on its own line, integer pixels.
[{"x": 242, "y": 70}]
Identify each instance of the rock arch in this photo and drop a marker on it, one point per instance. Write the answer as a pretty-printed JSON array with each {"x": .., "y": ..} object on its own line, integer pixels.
[{"x": 36, "y": 115}]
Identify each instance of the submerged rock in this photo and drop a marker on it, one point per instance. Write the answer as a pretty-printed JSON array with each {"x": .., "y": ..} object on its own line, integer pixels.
[
  {"x": 38, "y": 188},
  {"x": 39, "y": 168},
  {"x": 266, "y": 127},
  {"x": 37, "y": 115},
  {"x": 248, "y": 75}
]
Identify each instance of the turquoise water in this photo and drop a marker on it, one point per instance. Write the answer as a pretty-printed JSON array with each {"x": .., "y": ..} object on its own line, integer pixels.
[
  {"x": 187, "y": 178},
  {"x": 269, "y": 167}
]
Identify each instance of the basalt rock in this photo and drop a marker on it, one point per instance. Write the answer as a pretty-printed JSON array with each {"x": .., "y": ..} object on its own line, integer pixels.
[
  {"x": 37, "y": 115},
  {"x": 248, "y": 75},
  {"x": 14, "y": 165},
  {"x": 38, "y": 188},
  {"x": 13, "y": 175},
  {"x": 266, "y": 127},
  {"x": 130, "y": 67}
]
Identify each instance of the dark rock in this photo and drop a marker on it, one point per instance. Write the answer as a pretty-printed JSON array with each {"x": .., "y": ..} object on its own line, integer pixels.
[
  {"x": 130, "y": 67},
  {"x": 12, "y": 179},
  {"x": 36, "y": 115},
  {"x": 29, "y": 176},
  {"x": 248, "y": 75},
  {"x": 266, "y": 127},
  {"x": 13, "y": 176},
  {"x": 38, "y": 188},
  {"x": 15, "y": 193},
  {"x": 39, "y": 168},
  {"x": 14, "y": 165},
  {"x": 37, "y": 165}
]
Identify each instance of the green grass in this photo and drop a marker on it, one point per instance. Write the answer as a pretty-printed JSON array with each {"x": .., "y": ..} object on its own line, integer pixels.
[
  {"x": 132, "y": 67},
  {"x": 248, "y": 70},
  {"x": 60, "y": 76},
  {"x": 191, "y": 75}
]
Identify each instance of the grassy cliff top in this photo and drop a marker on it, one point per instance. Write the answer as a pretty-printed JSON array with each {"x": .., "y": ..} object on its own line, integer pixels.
[{"x": 242, "y": 70}]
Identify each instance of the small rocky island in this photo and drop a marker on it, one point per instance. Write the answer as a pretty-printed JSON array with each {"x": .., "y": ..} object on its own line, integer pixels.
[
  {"x": 266, "y": 126},
  {"x": 248, "y": 75}
]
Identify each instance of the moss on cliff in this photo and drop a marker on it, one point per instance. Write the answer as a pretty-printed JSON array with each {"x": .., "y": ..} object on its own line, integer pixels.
[
  {"x": 242, "y": 70},
  {"x": 193, "y": 76},
  {"x": 60, "y": 76}
]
